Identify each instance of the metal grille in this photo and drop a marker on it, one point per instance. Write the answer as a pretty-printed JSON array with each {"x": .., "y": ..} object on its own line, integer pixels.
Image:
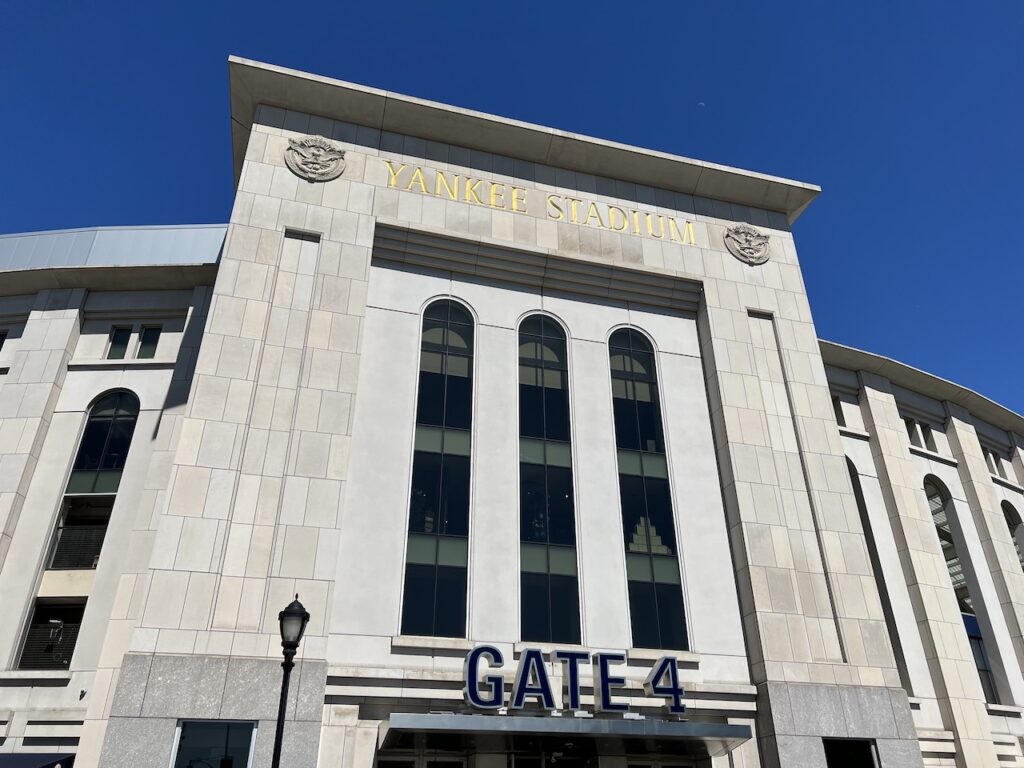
[
  {"x": 49, "y": 647},
  {"x": 78, "y": 547}
]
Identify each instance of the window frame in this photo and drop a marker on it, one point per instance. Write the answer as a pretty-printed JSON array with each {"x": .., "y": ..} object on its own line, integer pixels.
[
  {"x": 28, "y": 624},
  {"x": 566, "y": 339},
  {"x": 421, "y": 328},
  {"x": 181, "y": 721},
  {"x": 128, "y": 345},
  {"x": 159, "y": 328},
  {"x": 669, "y": 479}
]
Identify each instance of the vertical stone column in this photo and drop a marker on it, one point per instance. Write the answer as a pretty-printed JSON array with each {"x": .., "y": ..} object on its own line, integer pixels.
[
  {"x": 28, "y": 395},
  {"x": 957, "y": 686},
  {"x": 997, "y": 569},
  {"x": 133, "y": 582}
]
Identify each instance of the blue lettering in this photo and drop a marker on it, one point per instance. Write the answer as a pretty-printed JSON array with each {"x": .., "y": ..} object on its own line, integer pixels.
[
  {"x": 572, "y": 660},
  {"x": 532, "y": 680},
  {"x": 664, "y": 681},
  {"x": 603, "y": 701},
  {"x": 495, "y": 684}
]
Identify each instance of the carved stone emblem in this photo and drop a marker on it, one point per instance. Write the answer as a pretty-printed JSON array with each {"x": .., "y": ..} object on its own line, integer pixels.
[
  {"x": 314, "y": 158},
  {"x": 747, "y": 244}
]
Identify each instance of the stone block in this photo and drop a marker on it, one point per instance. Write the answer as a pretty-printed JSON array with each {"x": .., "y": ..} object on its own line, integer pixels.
[
  {"x": 131, "y": 685},
  {"x": 138, "y": 742},
  {"x": 899, "y": 753}
]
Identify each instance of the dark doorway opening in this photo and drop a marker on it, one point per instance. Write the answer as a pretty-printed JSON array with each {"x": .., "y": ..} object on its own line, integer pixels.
[{"x": 850, "y": 753}]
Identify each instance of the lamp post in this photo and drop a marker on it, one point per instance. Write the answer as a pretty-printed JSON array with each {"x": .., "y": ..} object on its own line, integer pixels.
[{"x": 293, "y": 620}]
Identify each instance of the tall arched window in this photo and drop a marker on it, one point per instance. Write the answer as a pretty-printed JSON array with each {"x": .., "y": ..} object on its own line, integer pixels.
[
  {"x": 104, "y": 447},
  {"x": 435, "y": 570},
  {"x": 550, "y": 587},
  {"x": 652, "y": 565},
  {"x": 1013, "y": 522},
  {"x": 50, "y": 638},
  {"x": 940, "y": 504}
]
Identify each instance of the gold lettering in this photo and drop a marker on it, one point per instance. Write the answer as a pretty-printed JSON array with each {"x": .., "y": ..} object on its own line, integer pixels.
[
  {"x": 636, "y": 222},
  {"x": 593, "y": 213},
  {"x": 417, "y": 178},
  {"x": 650, "y": 229},
  {"x": 497, "y": 195},
  {"x": 612, "y": 210},
  {"x": 471, "y": 194},
  {"x": 518, "y": 199},
  {"x": 558, "y": 214},
  {"x": 573, "y": 202},
  {"x": 442, "y": 181},
  {"x": 393, "y": 174},
  {"x": 674, "y": 233}
]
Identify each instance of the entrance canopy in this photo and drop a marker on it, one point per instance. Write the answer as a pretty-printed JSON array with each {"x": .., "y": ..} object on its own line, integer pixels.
[
  {"x": 36, "y": 760},
  {"x": 572, "y": 736}
]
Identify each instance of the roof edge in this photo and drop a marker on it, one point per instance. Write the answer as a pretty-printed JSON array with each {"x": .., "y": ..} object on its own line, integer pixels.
[
  {"x": 907, "y": 376},
  {"x": 252, "y": 83}
]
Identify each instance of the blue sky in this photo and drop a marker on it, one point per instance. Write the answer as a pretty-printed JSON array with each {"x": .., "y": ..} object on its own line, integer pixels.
[{"x": 909, "y": 115}]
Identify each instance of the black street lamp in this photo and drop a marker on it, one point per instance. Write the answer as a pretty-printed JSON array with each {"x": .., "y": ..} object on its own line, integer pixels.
[{"x": 293, "y": 620}]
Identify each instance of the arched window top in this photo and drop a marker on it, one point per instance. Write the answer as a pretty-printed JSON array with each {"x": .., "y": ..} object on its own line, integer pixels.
[
  {"x": 1012, "y": 517},
  {"x": 941, "y": 507},
  {"x": 117, "y": 403},
  {"x": 630, "y": 338},
  {"x": 1013, "y": 522},
  {"x": 105, "y": 443},
  {"x": 542, "y": 344},
  {"x": 632, "y": 356},
  {"x": 447, "y": 329},
  {"x": 450, "y": 311}
]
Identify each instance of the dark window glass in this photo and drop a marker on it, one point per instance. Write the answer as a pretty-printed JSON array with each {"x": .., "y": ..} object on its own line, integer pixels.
[
  {"x": 455, "y": 495},
  {"x": 80, "y": 535},
  {"x": 119, "y": 340},
  {"x": 426, "y": 492},
  {"x": 536, "y": 616},
  {"x": 418, "y": 606},
  {"x": 643, "y": 614},
  {"x": 148, "y": 340},
  {"x": 565, "y": 609},
  {"x": 219, "y": 745},
  {"x": 550, "y": 595},
  {"x": 52, "y": 632},
  {"x": 670, "y": 615},
  {"x": 657, "y": 614},
  {"x": 435, "y": 575},
  {"x": 549, "y": 586},
  {"x": 561, "y": 521},
  {"x": 941, "y": 506},
  {"x": 1013, "y": 524},
  {"x": 3, "y": 338},
  {"x": 661, "y": 533},
  {"x": 850, "y": 753},
  {"x": 435, "y": 600},
  {"x": 105, "y": 443},
  {"x": 533, "y": 518}
]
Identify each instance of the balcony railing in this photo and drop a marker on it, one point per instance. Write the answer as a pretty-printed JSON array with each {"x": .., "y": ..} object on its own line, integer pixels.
[
  {"x": 49, "y": 646},
  {"x": 77, "y": 547}
]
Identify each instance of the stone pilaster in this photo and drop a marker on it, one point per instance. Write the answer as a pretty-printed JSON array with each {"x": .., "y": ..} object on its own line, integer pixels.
[
  {"x": 28, "y": 395},
  {"x": 957, "y": 686},
  {"x": 999, "y": 575}
]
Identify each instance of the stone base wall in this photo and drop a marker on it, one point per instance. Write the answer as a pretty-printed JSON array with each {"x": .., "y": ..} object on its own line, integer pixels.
[
  {"x": 793, "y": 718},
  {"x": 156, "y": 691}
]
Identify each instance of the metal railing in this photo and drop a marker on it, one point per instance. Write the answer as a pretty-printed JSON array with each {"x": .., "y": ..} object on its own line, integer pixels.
[
  {"x": 77, "y": 547},
  {"x": 49, "y": 646}
]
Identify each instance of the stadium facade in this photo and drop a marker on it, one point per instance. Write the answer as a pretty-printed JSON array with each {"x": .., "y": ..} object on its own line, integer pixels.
[{"x": 537, "y": 427}]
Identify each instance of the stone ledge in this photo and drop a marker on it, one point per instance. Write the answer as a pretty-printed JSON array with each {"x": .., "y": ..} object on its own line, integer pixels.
[
  {"x": 27, "y": 678},
  {"x": 926, "y": 454}
]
